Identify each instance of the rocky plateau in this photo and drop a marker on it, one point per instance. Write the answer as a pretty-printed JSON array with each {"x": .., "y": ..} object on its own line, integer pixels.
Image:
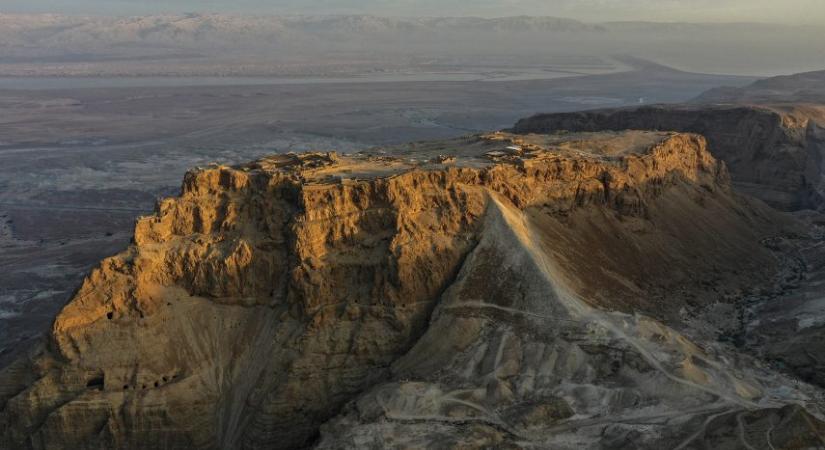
[{"x": 524, "y": 289}]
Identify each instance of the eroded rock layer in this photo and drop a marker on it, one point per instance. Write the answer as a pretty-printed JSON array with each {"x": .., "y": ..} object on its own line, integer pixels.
[{"x": 508, "y": 292}]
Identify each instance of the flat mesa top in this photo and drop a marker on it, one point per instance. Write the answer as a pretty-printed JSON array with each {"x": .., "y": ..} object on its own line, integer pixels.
[{"x": 474, "y": 151}]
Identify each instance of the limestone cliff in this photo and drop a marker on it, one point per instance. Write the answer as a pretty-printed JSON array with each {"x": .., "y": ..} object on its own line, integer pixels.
[
  {"x": 503, "y": 294},
  {"x": 774, "y": 152}
]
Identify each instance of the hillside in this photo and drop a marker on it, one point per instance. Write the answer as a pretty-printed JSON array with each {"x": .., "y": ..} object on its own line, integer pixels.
[
  {"x": 774, "y": 153},
  {"x": 509, "y": 290},
  {"x": 804, "y": 88}
]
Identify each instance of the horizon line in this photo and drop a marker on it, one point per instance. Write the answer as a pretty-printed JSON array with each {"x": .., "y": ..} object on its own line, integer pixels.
[{"x": 382, "y": 16}]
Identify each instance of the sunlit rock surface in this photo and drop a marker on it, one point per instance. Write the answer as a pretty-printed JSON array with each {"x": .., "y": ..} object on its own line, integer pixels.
[{"x": 496, "y": 291}]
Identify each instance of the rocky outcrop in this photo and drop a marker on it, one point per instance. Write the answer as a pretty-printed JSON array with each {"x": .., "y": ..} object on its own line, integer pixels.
[
  {"x": 774, "y": 154},
  {"x": 486, "y": 303}
]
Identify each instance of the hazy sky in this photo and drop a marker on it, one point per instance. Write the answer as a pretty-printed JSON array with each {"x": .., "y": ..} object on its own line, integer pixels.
[{"x": 785, "y": 11}]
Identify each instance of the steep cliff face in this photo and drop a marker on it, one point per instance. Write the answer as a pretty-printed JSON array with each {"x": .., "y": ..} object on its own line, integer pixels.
[
  {"x": 248, "y": 310},
  {"x": 774, "y": 153},
  {"x": 252, "y": 308}
]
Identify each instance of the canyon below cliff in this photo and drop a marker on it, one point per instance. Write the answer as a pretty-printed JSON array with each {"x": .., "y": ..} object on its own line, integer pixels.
[{"x": 645, "y": 277}]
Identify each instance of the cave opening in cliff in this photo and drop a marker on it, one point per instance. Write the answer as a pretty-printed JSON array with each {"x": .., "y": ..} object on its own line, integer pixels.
[{"x": 96, "y": 383}]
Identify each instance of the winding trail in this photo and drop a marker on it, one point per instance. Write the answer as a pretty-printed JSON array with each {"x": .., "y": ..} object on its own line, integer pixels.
[
  {"x": 701, "y": 431},
  {"x": 740, "y": 428},
  {"x": 583, "y": 312}
]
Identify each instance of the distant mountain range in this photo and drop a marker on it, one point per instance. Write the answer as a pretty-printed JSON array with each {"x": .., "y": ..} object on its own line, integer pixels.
[
  {"x": 170, "y": 42},
  {"x": 49, "y": 30},
  {"x": 64, "y": 30}
]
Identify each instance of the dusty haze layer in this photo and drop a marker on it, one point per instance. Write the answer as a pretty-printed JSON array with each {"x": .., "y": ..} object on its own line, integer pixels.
[
  {"x": 224, "y": 44},
  {"x": 735, "y": 11}
]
